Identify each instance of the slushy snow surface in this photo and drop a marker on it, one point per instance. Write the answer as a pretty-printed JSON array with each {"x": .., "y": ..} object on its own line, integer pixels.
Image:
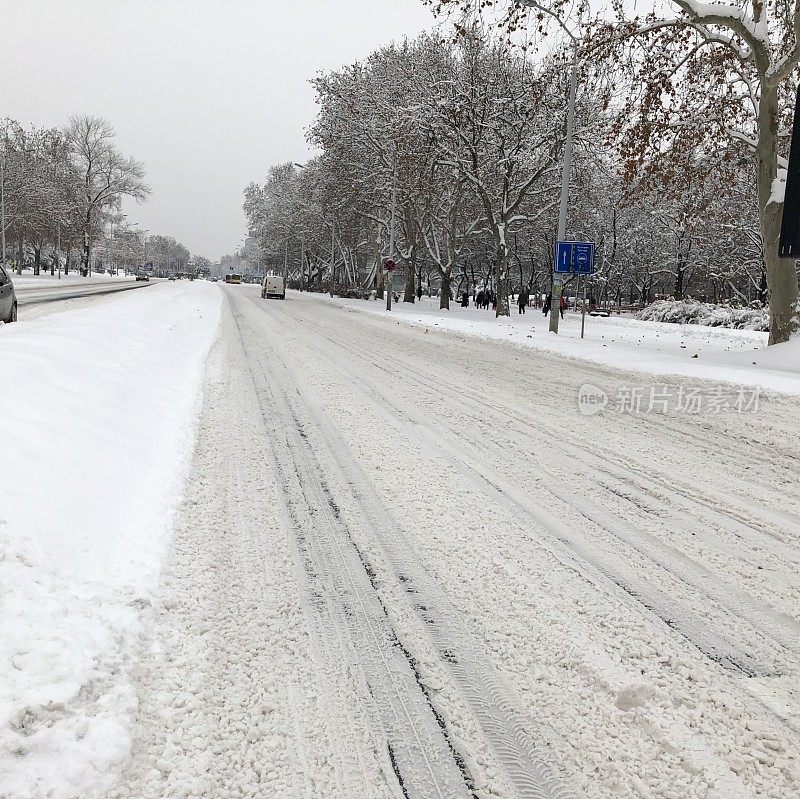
[
  {"x": 98, "y": 411},
  {"x": 740, "y": 357}
]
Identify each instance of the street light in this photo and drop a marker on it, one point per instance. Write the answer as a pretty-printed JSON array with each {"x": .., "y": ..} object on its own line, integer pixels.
[{"x": 556, "y": 291}]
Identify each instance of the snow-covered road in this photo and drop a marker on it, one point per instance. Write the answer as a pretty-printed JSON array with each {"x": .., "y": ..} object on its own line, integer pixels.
[{"x": 406, "y": 565}]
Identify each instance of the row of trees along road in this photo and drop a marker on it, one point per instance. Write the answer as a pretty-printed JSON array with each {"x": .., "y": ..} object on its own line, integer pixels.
[
  {"x": 62, "y": 192},
  {"x": 681, "y": 138}
]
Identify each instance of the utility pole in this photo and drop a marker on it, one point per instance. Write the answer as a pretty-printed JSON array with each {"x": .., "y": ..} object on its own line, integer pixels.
[
  {"x": 390, "y": 273},
  {"x": 558, "y": 285},
  {"x": 333, "y": 254}
]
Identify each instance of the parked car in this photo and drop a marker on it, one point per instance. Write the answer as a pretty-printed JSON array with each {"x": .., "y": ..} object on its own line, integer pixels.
[
  {"x": 273, "y": 287},
  {"x": 214, "y": 279},
  {"x": 8, "y": 299}
]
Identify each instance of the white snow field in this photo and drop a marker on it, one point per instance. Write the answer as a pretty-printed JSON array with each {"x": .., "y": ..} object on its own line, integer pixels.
[
  {"x": 711, "y": 353},
  {"x": 98, "y": 410},
  {"x": 406, "y": 565}
]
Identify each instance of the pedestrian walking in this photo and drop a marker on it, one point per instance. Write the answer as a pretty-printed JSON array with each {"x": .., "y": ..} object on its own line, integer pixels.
[
  {"x": 522, "y": 300},
  {"x": 546, "y": 305},
  {"x": 562, "y": 305}
]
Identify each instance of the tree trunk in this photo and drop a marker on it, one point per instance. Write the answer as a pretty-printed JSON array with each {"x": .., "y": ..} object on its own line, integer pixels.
[
  {"x": 66, "y": 263},
  {"x": 378, "y": 267},
  {"x": 444, "y": 291},
  {"x": 87, "y": 239},
  {"x": 411, "y": 275},
  {"x": 302, "y": 269},
  {"x": 37, "y": 260},
  {"x": 781, "y": 272},
  {"x": 501, "y": 282},
  {"x": 21, "y": 257}
]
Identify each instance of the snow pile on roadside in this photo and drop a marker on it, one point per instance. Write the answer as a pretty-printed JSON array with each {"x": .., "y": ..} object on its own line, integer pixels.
[
  {"x": 45, "y": 280},
  {"x": 98, "y": 410},
  {"x": 721, "y": 354},
  {"x": 692, "y": 312}
]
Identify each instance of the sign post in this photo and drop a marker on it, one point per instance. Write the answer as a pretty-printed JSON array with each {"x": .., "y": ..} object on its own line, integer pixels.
[
  {"x": 583, "y": 307},
  {"x": 389, "y": 266},
  {"x": 572, "y": 258},
  {"x": 575, "y": 257}
]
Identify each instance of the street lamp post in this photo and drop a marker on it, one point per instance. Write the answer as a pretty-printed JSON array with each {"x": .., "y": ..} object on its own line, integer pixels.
[{"x": 558, "y": 285}]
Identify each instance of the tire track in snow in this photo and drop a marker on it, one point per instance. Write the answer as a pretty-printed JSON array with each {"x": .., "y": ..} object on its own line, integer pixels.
[
  {"x": 347, "y": 606},
  {"x": 487, "y": 696},
  {"x": 698, "y": 631}
]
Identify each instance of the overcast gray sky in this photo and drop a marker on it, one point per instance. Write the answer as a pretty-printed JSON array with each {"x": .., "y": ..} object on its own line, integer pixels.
[{"x": 207, "y": 93}]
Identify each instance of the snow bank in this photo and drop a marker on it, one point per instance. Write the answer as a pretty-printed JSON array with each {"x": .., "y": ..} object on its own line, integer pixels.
[
  {"x": 27, "y": 280},
  {"x": 98, "y": 409},
  {"x": 652, "y": 348},
  {"x": 692, "y": 312}
]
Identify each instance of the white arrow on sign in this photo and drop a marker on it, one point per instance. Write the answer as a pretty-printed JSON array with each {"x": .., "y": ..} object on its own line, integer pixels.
[{"x": 565, "y": 251}]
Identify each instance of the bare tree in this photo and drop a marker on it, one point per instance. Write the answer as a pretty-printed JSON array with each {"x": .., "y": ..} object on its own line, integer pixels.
[
  {"x": 106, "y": 174},
  {"x": 716, "y": 76}
]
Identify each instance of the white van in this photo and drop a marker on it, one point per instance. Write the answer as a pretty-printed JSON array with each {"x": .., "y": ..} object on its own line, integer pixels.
[{"x": 273, "y": 287}]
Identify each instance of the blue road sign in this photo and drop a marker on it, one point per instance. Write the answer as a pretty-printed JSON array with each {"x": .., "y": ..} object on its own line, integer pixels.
[{"x": 575, "y": 257}]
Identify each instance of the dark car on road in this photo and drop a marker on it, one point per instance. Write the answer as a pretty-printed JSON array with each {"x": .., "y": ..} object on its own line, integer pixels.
[
  {"x": 8, "y": 299},
  {"x": 142, "y": 276}
]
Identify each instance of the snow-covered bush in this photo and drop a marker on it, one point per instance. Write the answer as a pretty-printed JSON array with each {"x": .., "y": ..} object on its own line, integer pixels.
[{"x": 692, "y": 312}]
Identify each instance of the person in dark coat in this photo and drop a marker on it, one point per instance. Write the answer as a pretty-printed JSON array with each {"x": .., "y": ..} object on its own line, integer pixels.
[
  {"x": 479, "y": 299},
  {"x": 546, "y": 306},
  {"x": 522, "y": 299}
]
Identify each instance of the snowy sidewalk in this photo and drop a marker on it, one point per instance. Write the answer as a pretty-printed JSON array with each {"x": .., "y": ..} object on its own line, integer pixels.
[
  {"x": 98, "y": 410},
  {"x": 711, "y": 353}
]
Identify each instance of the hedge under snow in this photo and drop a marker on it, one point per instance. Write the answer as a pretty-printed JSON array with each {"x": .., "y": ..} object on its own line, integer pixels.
[{"x": 692, "y": 312}]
